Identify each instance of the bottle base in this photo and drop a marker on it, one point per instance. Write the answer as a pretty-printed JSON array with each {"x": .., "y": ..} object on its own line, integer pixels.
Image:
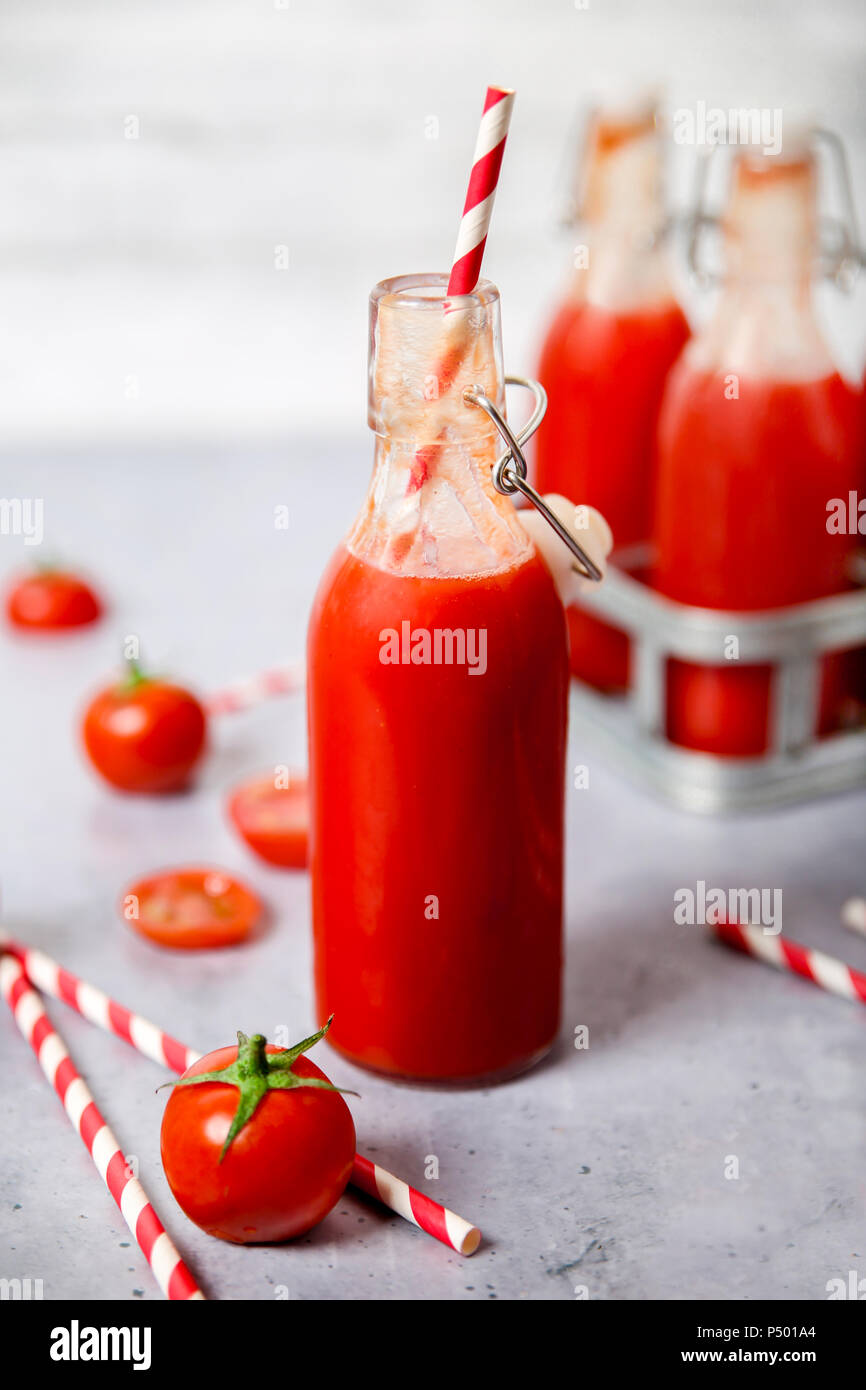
[{"x": 448, "y": 1083}]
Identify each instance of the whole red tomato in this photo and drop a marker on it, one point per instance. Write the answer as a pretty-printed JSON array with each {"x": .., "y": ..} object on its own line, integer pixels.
[
  {"x": 144, "y": 734},
  {"x": 51, "y": 600},
  {"x": 262, "y": 1147}
]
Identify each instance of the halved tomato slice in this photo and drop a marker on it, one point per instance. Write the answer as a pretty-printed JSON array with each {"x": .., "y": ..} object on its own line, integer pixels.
[
  {"x": 191, "y": 908},
  {"x": 274, "y": 820}
]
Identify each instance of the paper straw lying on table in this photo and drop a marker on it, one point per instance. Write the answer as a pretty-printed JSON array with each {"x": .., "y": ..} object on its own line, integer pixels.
[
  {"x": 826, "y": 971},
  {"x": 147, "y": 1038},
  {"x": 98, "y": 1008},
  {"x": 407, "y": 1201},
  {"x": 244, "y": 694},
  {"x": 168, "y": 1268}
]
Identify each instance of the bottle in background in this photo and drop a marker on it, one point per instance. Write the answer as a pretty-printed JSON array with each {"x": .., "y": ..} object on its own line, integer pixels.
[
  {"x": 758, "y": 432},
  {"x": 605, "y": 359}
]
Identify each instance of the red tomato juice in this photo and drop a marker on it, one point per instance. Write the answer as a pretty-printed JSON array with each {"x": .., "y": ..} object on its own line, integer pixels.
[
  {"x": 604, "y": 373},
  {"x": 741, "y": 512},
  {"x": 437, "y": 868}
]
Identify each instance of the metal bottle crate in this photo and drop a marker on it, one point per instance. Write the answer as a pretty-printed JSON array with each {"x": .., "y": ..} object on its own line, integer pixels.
[
  {"x": 798, "y": 765},
  {"x": 631, "y": 728}
]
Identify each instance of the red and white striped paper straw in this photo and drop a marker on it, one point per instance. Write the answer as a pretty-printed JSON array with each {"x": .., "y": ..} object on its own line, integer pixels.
[
  {"x": 477, "y": 210},
  {"x": 168, "y": 1268},
  {"x": 99, "y": 1008},
  {"x": 823, "y": 970},
  {"x": 244, "y": 694},
  {"x": 407, "y": 1201},
  {"x": 147, "y": 1038},
  {"x": 469, "y": 251}
]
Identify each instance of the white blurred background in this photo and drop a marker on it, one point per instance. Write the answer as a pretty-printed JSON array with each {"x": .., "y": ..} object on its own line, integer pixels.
[{"x": 160, "y": 156}]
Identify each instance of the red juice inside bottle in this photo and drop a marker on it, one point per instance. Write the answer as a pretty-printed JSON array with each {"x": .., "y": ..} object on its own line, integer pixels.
[
  {"x": 758, "y": 432},
  {"x": 604, "y": 363}
]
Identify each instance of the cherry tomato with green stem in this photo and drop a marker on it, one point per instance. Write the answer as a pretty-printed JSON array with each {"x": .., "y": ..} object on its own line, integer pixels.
[
  {"x": 144, "y": 734},
  {"x": 256, "y": 1143}
]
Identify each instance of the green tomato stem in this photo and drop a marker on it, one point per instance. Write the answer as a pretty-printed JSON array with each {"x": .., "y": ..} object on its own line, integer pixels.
[{"x": 255, "y": 1072}]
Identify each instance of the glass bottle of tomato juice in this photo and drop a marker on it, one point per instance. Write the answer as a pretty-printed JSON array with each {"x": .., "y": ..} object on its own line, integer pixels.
[
  {"x": 605, "y": 359},
  {"x": 438, "y": 675},
  {"x": 758, "y": 431}
]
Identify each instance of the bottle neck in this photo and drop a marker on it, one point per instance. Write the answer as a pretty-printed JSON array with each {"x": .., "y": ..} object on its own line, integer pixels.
[
  {"x": 432, "y": 509},
  {"x": 621, "y": 261},
  {"x": 769, "y": 228},
  {"x": 764, "y": 323}
]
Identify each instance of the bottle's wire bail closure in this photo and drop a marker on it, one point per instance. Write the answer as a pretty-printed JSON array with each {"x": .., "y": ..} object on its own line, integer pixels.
[
  {"x": 840, "y": 255},
  {"x": 509, "y": 470}
]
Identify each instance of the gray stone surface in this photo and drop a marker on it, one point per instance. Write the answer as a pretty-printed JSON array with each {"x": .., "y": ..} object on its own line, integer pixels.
[{"x": 603, "y": 1168}]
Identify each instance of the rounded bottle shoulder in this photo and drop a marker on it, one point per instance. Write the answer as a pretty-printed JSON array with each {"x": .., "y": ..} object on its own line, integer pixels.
[{"x": 355, "y": 599}]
